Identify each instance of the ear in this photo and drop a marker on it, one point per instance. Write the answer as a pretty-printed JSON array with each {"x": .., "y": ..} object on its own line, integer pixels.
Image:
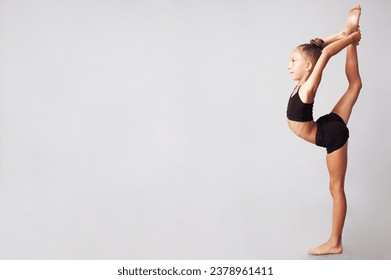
[{"x": 308, "y": 66}]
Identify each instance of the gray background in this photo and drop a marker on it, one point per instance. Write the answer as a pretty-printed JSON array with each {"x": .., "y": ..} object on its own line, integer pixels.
[{"x": 157, "y": 130}]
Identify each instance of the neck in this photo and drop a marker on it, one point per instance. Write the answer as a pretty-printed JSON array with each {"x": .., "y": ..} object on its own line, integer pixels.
[{"x": 304, "y": 79}]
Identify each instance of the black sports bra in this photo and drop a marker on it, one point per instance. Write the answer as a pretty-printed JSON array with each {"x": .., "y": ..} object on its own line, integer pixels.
[{"x": 298, "y": 110}]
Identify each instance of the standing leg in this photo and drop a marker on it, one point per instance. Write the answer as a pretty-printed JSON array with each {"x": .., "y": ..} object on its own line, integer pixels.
[
  {"x": 336, "y": 164},
  {"x": 345, "y": 104}
]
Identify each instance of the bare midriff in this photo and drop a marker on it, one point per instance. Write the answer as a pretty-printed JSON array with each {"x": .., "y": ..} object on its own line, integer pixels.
[{"x": 305, "y": 130}]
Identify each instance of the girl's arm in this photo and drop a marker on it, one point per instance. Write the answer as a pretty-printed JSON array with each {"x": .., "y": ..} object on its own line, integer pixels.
[
  {"x": 311, "y": 85},
  {"x": 331, "y": 39}
]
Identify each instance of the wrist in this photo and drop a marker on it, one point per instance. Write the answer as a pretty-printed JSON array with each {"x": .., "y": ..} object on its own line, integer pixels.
[{"x": 351, "y": 38}]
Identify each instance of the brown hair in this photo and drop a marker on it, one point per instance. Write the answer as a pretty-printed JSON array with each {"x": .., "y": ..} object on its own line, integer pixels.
[{"x": 313, "y": 50}]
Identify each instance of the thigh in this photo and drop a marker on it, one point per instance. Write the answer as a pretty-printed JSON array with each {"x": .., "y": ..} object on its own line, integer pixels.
[{"x": 337, "y": 164}]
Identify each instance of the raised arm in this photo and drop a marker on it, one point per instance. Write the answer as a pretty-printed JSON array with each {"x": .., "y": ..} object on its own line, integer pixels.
[{"x": 311, "y": 85}]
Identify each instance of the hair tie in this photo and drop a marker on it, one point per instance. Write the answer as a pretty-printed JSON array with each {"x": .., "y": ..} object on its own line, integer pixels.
[{"x": 317, "y": 42}]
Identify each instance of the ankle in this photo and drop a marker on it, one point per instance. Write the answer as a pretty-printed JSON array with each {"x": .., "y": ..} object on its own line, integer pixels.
[{"x": 335, "y": 241}]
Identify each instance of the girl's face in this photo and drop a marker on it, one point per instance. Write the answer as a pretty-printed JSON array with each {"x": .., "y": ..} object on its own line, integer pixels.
[{"x": 297, "y": 65}]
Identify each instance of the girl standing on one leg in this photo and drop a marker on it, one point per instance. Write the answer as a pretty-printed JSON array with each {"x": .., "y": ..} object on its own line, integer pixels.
[{"x": 306, "y": 66}]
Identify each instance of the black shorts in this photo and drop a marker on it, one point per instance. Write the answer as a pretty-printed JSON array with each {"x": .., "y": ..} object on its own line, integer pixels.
[{"x": 331, "y": 132}]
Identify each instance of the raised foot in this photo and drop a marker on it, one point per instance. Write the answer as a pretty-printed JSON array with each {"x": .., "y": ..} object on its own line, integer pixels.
[
  {"x": 352, "y": 23},
  {"x": 326, "y": 249}
]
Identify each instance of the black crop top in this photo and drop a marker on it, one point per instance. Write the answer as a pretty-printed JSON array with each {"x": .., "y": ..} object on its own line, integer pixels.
[{"x": 298, "y": 110}]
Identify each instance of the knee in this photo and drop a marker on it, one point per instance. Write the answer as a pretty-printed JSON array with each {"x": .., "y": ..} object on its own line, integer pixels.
[
  {"x": 337, "y": 188},
  {"x": 356, "y": 85}
]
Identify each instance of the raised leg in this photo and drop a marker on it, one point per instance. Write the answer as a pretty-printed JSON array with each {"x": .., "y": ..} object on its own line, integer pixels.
[
  {"x": 351, "y": 25},
  {"x": 345, "y": 105},
  {"x": 336, "y": 164}
]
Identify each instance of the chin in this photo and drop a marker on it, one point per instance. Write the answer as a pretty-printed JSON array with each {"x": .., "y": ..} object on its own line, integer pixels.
[{"x": 295, "y": 78}]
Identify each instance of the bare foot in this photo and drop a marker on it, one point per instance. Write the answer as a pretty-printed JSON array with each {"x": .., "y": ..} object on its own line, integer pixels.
[
  {"x": 352, "y": 21},
  {"x": 326, "y": 249}
]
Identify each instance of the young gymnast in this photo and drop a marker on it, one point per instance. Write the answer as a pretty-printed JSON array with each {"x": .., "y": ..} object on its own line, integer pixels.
[{"x": 306, "y": 66}]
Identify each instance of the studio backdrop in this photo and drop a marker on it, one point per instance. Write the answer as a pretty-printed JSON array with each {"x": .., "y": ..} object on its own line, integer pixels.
[{"x": 157, "y": 130}]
